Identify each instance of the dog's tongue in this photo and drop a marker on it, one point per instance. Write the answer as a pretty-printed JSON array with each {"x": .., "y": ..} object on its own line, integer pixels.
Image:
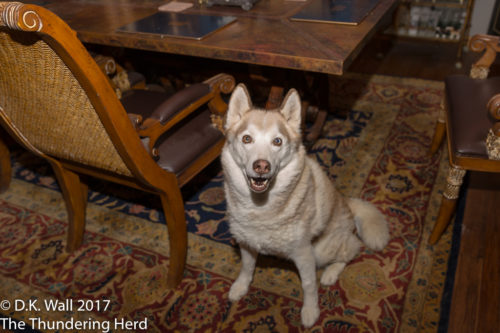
[{"x": 259, "y": 181}]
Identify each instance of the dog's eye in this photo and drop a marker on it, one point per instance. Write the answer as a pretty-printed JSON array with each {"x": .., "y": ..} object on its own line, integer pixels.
[
  {"x": 246, "y": 139},
  {"x": 277, "y": 142}
]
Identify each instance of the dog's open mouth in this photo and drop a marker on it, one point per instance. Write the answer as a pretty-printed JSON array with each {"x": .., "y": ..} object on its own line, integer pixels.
[{"x": 259, "y": 184}]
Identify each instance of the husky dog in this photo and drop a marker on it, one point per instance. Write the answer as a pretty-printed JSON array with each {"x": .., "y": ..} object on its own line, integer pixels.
[{"x": 280, "y": 202}]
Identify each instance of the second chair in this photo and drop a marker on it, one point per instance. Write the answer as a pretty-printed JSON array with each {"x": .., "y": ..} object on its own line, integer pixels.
[{"x": 469, "y": 118}]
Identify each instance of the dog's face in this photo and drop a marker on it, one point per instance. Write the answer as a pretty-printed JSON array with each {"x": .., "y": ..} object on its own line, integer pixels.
[{"x": 262, "y": 142}]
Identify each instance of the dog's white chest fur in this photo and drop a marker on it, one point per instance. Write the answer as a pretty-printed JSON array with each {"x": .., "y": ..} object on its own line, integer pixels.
[{"x": 282, "y": 219}]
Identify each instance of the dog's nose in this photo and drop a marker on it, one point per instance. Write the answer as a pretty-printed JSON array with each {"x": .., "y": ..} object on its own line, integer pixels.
[{"x": 261, "y": 167}]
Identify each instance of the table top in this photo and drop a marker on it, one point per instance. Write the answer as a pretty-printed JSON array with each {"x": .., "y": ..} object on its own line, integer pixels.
[{"x": 264, "y": 35}]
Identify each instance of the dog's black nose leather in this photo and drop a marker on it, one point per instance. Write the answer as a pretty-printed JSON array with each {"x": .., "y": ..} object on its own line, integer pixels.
[{"x": 261, "y": 167}]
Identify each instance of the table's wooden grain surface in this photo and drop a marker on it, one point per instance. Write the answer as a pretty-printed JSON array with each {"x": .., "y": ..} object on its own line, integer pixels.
[{"x": 263, "y": 35}]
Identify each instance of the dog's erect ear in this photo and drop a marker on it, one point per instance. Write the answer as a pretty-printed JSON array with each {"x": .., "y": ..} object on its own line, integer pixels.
[
  {"x": 239, "y": 104},
  {"x": 291, "y": 109}
]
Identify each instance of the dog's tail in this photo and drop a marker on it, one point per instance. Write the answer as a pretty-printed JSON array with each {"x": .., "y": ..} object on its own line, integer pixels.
[{"x": 370, "y": 223}]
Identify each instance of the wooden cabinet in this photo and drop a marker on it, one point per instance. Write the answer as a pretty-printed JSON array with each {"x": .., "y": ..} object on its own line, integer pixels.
[{"x": 439, "y": 20}]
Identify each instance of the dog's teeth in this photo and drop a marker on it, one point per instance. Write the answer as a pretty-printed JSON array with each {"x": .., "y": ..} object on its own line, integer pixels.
[{"x": 259, "y": 184}]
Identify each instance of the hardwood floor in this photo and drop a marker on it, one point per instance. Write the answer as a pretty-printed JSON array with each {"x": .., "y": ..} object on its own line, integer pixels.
[
  {"x": 475, "y": 303},
  {"x": 476, "y": 296}
]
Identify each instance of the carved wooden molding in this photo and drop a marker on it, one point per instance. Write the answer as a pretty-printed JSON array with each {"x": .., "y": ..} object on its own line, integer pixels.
[
  {"x": 222, "y": 82},
  {"x": 16, "y": 15},
  {"x": 477, "y": 72},
  {"x": 453, "y": 182},
  {"x": 493, "y": 145},
  {"x": 493, "y": 138},
  {"x": 490, "y": 46},
  {"x": 494, "y": 107}
]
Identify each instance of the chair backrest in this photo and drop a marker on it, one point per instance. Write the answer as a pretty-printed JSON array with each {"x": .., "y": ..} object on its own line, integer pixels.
[{"x": 54, "y": 97}]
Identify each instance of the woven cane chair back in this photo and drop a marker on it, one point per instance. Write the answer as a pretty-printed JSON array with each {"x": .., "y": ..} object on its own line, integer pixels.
[{"x": 47, "y": 105}]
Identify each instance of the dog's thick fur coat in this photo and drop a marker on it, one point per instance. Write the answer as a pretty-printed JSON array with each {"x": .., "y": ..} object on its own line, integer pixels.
[{"x": 280, "y": 202}]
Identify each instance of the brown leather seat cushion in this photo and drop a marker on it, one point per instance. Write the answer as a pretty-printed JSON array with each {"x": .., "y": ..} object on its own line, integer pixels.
[
  {"x": 185, "y": 142},
  {"x": 468, "y": 116}
]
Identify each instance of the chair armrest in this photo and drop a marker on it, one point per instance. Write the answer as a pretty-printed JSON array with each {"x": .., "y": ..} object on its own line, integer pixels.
[
  {"x": 490, "y": 45},
  {"x": 183, "y": 103},
  {"x": 179, "y": 101}
]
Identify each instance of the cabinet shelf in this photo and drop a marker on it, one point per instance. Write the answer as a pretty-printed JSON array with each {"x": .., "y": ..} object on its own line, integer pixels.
[
  {"x": 445, "y": 4},
  {"x": 437, "y": 20},
  {"x": 420, "y": 36}
]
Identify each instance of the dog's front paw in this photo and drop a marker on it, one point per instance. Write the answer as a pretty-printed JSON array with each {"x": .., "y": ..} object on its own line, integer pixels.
[
  {"x": 238, "y": 290},
  {"x": 309, "y": 315}
]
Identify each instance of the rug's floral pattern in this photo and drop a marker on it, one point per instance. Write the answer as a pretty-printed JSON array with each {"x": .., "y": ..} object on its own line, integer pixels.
[{"x": 384, "y": 140}]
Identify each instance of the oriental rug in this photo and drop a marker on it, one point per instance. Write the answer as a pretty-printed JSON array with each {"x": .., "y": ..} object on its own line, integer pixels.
[{"x": 116, "y": 280}]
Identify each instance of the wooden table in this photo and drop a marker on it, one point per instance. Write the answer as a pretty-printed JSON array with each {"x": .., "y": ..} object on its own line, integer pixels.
[{"x": 262, "y": 36}]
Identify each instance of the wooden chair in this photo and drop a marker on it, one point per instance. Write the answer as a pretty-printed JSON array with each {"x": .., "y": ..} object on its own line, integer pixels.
[
  {"x": 56, "y": 102},
  {"x": 471, "y": 130}
]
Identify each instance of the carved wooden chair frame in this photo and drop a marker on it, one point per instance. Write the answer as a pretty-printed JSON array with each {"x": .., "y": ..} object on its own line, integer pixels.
[{"x": 142, "y": 172}]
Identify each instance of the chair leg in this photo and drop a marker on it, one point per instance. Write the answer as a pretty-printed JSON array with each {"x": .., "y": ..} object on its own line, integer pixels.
[
  {"x": 439, "y": 131},
  {"x": 448, "y": 203},
  {"x": 173, "y": 208},
  {"x": 5, "y": 167},
  {"x": 75, "y": 196}
]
